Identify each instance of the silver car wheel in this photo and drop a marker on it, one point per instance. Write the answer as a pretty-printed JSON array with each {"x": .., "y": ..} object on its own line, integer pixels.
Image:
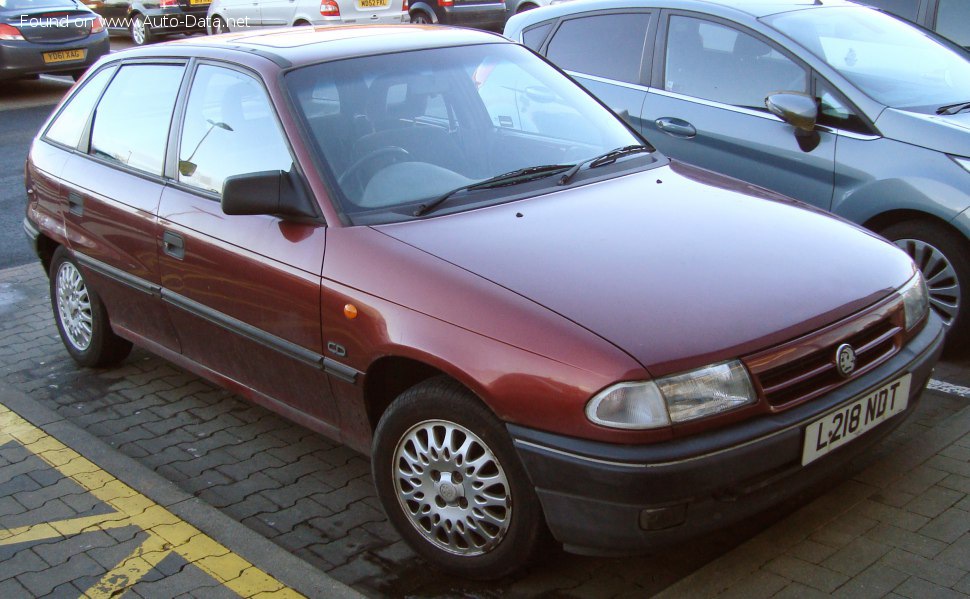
[
  {"x": 138, "y": 33},
  {"x": 941, "y": 278},
  {"x": 74, "y": 306},
  {"x": 452, "y": 487}
]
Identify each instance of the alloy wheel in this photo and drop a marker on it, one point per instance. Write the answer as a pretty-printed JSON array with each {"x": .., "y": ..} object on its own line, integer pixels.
[{"x": 74, "y": 306}]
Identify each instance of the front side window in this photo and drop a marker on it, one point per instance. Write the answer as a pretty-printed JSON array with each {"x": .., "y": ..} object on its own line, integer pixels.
[
  {"x": 230, "y": 129},
  {"x": 889, "y": 60},
  {"x": 609, "y": 46},
  {"x": 906, "y": 9},
  {"x": 403, "y": 129},
  {"x": 953, "y": 21},
  {"x": 132, "y": 120},
  {"x": 69, "y": 124},
  {"x": 719, "y": 63}
]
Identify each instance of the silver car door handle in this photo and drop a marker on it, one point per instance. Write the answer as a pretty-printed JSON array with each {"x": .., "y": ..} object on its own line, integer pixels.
[{"x": 676, "y": 127}]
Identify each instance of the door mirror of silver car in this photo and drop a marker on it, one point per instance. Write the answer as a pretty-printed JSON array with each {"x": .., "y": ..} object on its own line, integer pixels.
[
  {"x": 797, "y": 109},
  {"x": 276, "y": 193}
]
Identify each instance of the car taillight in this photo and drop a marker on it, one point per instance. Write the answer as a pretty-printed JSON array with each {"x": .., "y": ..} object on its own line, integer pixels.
[
  {"x": 404, "y": 7},
  {"x": 329, "y": 8},
  {"x": 97, "y": 26},
  {"x": 9, "y": 32},
  {"x": 168, "y": 3},
  {"x": 446, "y": 2}
]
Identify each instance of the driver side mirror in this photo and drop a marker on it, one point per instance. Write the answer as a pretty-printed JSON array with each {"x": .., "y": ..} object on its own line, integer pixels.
[
  {"x": 795, "y": 108},
  {"x": 277, "y": 193}
]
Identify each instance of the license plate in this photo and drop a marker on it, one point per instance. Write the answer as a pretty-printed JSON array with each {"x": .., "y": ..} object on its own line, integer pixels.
[
  {"x": 64, "y": 55},
  {"x": 372, "y": 3},
  {"x": 200, "y": 2},
  {"x": 838, "y": 428}
]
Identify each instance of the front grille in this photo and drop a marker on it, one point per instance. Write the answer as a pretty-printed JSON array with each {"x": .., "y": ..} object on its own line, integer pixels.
[{"x": 806, "y": 368}]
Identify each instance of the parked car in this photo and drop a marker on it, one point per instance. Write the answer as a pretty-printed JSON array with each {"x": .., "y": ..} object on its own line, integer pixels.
[
  {"x": 233, "y": 15},
  {"x": 49, "y": 36},
  {"x": 146, "y": 21},
  {"x": 949, "y": 18},
  {"x": 480, "y": 14},
  {"x": 837, "y": 105},
  {"x": 522, "y": 323},
  {"x": 513, "y": 7}
]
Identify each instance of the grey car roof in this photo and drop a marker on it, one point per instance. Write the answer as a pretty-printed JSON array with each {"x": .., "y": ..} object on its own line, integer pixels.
[{"x": 735, "y": 8}]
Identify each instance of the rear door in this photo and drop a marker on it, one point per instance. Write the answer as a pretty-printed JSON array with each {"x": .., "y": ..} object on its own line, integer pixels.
[
  {"x": 243, "y": 291},
  {"x": 605, "y": 53},
  {"x": 113, "y": 184},
  {"x": 707, "y": 107}
]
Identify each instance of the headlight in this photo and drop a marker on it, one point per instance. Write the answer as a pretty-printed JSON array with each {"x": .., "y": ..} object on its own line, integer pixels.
[
  {"x": 916, "y": 302},
  {"x": 964, "y": 162},
  {"x": 673, "y": 399}
]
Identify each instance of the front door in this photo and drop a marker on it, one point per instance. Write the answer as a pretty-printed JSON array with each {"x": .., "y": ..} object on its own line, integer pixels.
[
  {"x": 243, "y": 291},
  {"x": 707, "y": 107}
]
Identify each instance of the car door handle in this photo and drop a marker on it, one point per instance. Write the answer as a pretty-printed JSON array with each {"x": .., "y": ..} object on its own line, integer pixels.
[
  {"x": 75, "y": 203},
  {"x": 676, "y": 127},
  {"x": 173, "y": 245}
]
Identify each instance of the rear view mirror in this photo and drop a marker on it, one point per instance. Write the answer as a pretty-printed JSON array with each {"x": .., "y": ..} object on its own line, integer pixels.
[
  {"x": 795, "y": 108},
  {"x": 276, "y": 193}
]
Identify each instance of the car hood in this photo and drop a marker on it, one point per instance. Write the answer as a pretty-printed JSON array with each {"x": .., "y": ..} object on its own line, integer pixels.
[
  {"x": 943, "y": 133},
  {"x": 676, "y": 266}
]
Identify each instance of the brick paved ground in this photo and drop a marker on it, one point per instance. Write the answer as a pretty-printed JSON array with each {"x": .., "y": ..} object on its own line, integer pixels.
[{"x": 316, "y": 499}]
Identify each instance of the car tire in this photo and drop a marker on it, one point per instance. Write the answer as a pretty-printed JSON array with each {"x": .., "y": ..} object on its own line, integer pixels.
[
  {"x": 141, "y": 33},
  {"x": 943, "y": 256},
  {"x": 474, "y": 513},
  {"x": 525, "y": 8},
  {"x": 81, "y": 318},
  {"x": 419, "y": 17},
  {"x": 219, "y": 25}
]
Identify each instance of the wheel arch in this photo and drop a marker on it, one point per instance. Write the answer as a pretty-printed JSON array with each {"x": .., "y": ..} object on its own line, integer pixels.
[
  {"x": 883, "y": 220},
  {"x": 425, "y": 8},
  {"x": 45, "y": 250}
]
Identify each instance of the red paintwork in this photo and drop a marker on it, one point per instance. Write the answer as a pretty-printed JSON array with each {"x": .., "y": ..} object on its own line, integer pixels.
[{"x": 619, "y": 280}]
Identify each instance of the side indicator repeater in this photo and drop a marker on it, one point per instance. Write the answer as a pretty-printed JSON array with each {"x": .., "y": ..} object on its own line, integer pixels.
[{"x": 350, "y": 311}]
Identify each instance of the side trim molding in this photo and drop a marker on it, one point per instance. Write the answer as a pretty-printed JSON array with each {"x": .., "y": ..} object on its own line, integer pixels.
[{"x": 288, "y": 348}]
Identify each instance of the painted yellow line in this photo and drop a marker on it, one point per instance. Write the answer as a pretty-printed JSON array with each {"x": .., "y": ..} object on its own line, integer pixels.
[{"x": 167, "y": 533}]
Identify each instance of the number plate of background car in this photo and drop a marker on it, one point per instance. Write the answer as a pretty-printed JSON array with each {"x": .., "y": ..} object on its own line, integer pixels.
[
  {"x": 840, "y": 427},
  {"x": 64, "y": 56},
  {"x": 372, "y": 3}
]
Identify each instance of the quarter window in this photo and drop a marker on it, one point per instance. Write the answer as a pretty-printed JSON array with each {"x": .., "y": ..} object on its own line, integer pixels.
[
  {"x": 69, "y": 124},
  {"x": 714, "y": 62},
  {"x": 533, "y": 38},
  {"x": 230, "y": 129},
  {"x": 132, "y": 120},
  {"x": 609, "y": 46}
]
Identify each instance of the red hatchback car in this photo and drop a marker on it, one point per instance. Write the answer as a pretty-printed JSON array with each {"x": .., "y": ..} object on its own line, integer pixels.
[{"x": 431, "y": 245}]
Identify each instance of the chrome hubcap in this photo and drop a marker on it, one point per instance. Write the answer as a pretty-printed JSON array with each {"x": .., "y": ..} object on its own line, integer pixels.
[
  {"x": 941, "y": 278},
  {"x": 74, "y": 306},
  {"x": 452, "y": 487}
]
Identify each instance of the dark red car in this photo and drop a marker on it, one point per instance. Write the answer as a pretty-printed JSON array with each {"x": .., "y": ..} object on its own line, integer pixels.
[{"x": 431, "y": 245}]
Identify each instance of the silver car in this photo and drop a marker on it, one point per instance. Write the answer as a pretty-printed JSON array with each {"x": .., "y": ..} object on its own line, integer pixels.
[
  {"x": 842, "y": 106},
  {"x": 233, "y": 15}
]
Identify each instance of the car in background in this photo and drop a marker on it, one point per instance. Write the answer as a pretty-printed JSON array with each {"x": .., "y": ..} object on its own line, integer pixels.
[
  {"x": 949, "y": 18},
  {"x": 514, "y": 7},
  {"x": 235, "y": 15},
  {"x": 480, "y": 14},
  {"x": 838, "y": 105},
  {"x": 146, "y": 21},
  {"x": 49, "y": 36},
  {"x": 522, "y": 323}
]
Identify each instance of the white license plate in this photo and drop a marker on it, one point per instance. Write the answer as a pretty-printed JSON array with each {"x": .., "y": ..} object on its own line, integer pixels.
[{"x": 838, "y": 428}]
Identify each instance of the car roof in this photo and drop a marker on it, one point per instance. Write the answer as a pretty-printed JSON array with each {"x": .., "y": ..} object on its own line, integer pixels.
[
  {"x": 294, "y": 46},
  {"x": 751, "y": 8}
]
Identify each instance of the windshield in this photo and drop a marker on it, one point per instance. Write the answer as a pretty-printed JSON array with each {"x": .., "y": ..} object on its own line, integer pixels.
[
  {"x": 398, "y": 131},
  {"x": 892, "y": 62}
]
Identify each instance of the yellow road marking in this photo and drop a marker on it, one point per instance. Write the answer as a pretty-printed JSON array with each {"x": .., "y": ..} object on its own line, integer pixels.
[{"x": 167, "y": 533}]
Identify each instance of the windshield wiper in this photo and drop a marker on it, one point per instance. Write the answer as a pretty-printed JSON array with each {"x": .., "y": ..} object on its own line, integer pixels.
[
  {"x": 951, "y": 109},
  {"x": 603, "y": 159},
  {"x": 515, "y": 177}
]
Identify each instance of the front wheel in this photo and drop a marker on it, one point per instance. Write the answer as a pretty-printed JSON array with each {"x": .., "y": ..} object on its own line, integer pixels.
[
  {"x": 451, "y": 483},
  {"x": 81, "y": 318},
  {"x": 141, "y": 32},
  {"x": 943, "y": 258}
]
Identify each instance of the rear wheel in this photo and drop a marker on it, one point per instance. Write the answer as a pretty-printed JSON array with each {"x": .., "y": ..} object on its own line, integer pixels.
[
  {"x": 219, "y": 25},
  {"x": 525, "y": 7},
  {"x": 944, "y": 259},
  {"x": 141, "y": 32},
  {"x": 419, "y": 17},
  {"x": 452, "y": 485},
  {"x": 81, "y": 318}
]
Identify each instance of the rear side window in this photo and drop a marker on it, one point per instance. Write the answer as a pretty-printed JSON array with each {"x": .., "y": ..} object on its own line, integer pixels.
[
  {"x": 609, "y": 46},
  {"x": 132, "y": 120},
  {"x": 533, "y": 38},
  {"x": 69, "y": 124},
  {"x": 230, "y": 129},
  {"x": 953, "y": 21}
]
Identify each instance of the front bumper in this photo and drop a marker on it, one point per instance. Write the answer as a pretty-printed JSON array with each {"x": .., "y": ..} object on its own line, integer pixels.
[
  {"x": 600, "y": 498},
  {"x": 20, "y": 58}
]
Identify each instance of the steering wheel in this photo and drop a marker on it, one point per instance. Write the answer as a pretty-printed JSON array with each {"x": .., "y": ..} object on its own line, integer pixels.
[{"x": 398, "y": 153}]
